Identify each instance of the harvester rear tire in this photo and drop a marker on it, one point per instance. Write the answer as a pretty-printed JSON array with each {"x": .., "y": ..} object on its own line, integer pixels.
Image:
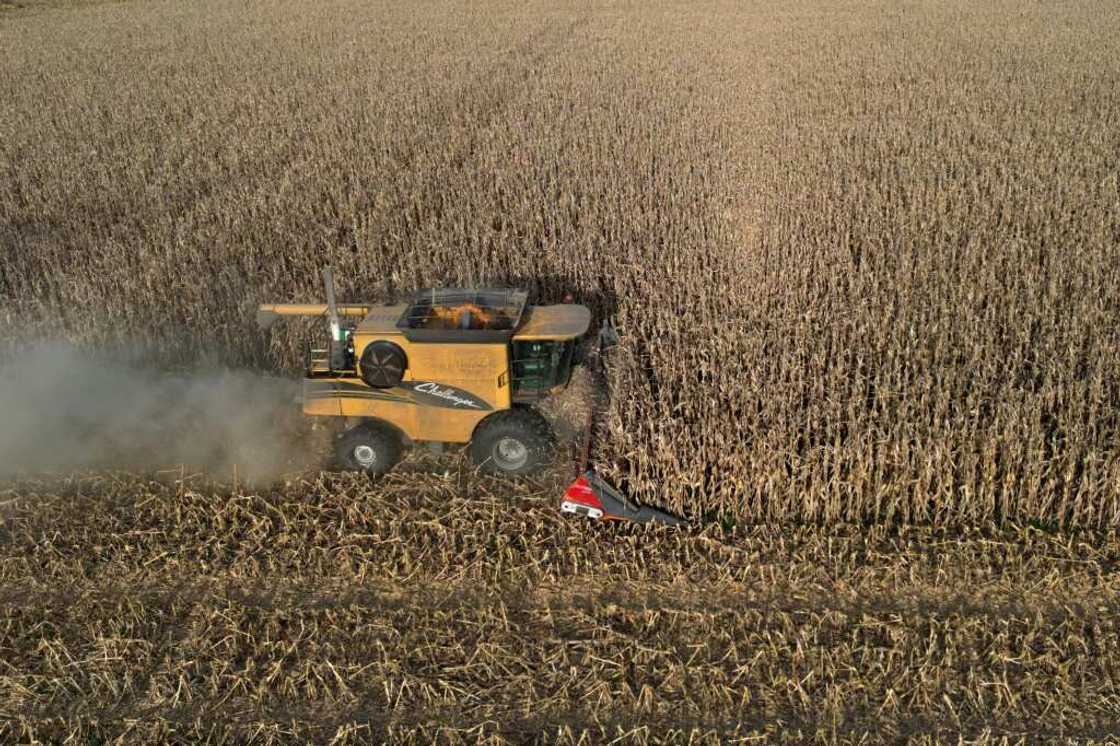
[
  {"x": 369, "y": 447},
  {"x": 513, "y": 442}
]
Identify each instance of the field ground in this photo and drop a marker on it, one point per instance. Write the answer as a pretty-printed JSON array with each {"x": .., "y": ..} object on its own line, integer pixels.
[
  {"x": 433, "y": 607},
  {"x": 863, "y": 257}
]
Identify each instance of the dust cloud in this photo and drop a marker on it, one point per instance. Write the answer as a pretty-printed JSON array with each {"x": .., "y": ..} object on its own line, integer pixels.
[{"x": 62, "y": 409}]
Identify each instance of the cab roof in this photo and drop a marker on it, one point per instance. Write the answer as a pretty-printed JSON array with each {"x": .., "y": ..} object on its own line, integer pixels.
[{"x": 565, "y": 321}]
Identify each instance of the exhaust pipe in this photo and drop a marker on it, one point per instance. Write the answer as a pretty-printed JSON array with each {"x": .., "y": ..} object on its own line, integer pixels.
[{"x": 337, "y": 346}]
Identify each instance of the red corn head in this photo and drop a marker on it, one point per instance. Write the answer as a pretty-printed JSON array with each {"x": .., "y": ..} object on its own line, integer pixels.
[{"x": 592, "y": 497}]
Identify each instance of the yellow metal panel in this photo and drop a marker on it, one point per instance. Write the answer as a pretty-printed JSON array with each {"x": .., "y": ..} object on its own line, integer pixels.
[
  {"x": 403, "y": 415},
  {"x": 447, "y": 425},
  {"x": 565, "y": 321},
  {"x": 382, "y": 320},
  {"x": 450, "y": 387},
  {"x": 468, "y": 364},
  {"x": 347, "y": 396},
  {"x": 324, "y": 407},
  {"x": 476, "y": 369}
]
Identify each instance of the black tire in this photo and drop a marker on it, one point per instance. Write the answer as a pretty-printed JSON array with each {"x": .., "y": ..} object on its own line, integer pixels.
[
  {"x": 382, "y": 364},
  {"x": 513, "y": 442},
  {"x": 369, "y": 447}
]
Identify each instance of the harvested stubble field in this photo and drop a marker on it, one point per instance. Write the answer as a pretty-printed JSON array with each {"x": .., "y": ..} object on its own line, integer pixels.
[
  {"x": 425, "y": 608},
  {"x": 864, "y": 257}
]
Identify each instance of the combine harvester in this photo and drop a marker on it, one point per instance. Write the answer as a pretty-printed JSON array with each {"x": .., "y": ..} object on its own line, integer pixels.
[{"x": 459, "y": 366}]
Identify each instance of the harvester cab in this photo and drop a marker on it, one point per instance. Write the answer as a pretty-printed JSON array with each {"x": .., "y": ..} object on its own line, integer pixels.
[{"x": 451, "y": 365}]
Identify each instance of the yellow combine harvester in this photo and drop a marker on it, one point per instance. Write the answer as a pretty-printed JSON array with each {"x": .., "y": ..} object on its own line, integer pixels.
[{"x": 450, "y": 366}]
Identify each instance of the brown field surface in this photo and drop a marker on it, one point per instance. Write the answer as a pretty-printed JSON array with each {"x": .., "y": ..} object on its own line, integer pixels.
[
  {"x": 428, "y": 608},
  {"x": 864, "y": 258}
]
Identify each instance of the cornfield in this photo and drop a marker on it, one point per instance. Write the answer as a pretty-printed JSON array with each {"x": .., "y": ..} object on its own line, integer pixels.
[{"x": 863, "y": 257}]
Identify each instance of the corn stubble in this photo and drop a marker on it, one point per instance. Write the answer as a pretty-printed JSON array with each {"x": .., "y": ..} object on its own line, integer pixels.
[
  {"x": 863, "y": 258},
  {"x": 171, "y": 609}
]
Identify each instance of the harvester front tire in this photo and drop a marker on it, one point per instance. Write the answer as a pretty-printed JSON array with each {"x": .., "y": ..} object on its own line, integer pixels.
[
  {"x": 514, "y": 442},
  {"x": 382, "y": 364},
  {"x": 370, "y": 448}
]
